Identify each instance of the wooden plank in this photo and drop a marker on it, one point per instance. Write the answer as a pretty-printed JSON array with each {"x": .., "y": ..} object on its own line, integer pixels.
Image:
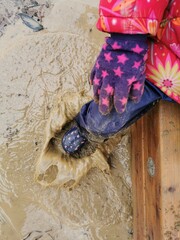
[{"x": 156, "y": 195}]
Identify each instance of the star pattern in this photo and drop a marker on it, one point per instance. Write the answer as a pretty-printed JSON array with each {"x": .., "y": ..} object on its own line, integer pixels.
[
  {"x": 109, "y": 89},
  {"x": 131, "y": 80},
  {"x": 116, "y": 68},
  {"x": 96, "y": 81},
  {"x": 104, "y": 46},
  {"x": 108, "y": 57},
  {"x": 137, "y": 64},
  {"x": 105, "y": 101},
  {"x": 104, "y": 73},
  {"x": 97, "y": 65},
  {"x": 137, "y": 86},
  {"x": 116, "y": 46},
  {"x": 122, "y": 58},
  {"x": 123, "y": 101},
  {"x": 118, "y": 72},
  {"x": 137, "y": 49}
]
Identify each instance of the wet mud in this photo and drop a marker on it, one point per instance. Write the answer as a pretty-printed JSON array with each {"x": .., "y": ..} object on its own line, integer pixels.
[{"x": 36, "y": 70}]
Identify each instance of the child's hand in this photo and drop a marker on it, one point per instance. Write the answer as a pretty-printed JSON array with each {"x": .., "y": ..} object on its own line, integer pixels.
[{"x": 119, "y": 72}]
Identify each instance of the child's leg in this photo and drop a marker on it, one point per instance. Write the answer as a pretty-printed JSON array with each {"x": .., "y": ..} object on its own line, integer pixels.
[{"x": 105, "y": 126}]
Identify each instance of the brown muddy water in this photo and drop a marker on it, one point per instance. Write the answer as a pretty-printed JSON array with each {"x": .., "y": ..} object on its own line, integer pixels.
[{"x": 35, "y": 70}]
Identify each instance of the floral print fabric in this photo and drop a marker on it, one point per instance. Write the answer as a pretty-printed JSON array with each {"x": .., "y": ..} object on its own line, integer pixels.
[{"x": 159, "y": 19}]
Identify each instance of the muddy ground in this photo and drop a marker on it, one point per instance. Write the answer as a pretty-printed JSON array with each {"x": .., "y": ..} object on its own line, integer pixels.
[{"x": 35, "y": 68}]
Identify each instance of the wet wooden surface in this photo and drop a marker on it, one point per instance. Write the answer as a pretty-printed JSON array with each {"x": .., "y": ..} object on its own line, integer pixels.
[{"x": 156, "y": 173}]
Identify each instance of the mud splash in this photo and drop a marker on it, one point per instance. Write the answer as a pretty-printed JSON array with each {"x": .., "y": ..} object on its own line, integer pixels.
[{"x": 35, "y": 67}]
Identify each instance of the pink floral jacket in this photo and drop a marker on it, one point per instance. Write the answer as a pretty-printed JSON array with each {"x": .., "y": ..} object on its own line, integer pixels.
[{"x": 161, "y": 20}]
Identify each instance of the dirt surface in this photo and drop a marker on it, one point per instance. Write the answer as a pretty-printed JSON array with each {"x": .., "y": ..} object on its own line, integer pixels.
[{"x": 35, "y": 68}]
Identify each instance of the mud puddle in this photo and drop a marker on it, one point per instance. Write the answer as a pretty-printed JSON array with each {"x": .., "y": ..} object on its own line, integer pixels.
[{"x": 35, "y": 68}]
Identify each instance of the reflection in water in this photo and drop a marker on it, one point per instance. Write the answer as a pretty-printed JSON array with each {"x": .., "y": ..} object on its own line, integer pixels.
[{"x": 35, "y": 68}]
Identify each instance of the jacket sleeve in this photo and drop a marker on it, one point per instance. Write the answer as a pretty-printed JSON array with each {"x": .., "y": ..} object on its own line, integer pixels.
[
  {"x": 131, "y": 16},
  {"x": 92, "y": 123}
]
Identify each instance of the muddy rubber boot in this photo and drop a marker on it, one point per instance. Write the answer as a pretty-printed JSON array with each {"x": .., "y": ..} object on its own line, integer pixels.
[
  {"x": 78, "y": 143},
  {"x": 73, "y": 140}
]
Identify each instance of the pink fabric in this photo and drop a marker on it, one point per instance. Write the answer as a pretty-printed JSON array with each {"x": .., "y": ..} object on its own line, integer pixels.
[
  {"x": 131, "y": 16},
  {"x": 161, "y": 20}
]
